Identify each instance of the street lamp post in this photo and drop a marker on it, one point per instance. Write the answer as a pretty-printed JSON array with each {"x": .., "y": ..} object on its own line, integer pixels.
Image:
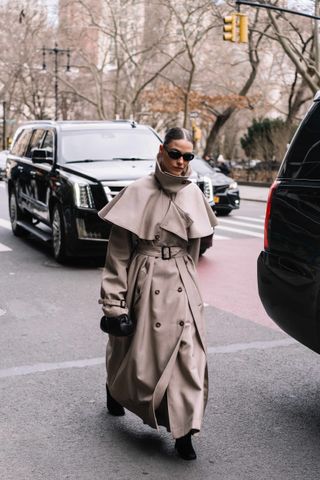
[{"x": 56, "y": 52}]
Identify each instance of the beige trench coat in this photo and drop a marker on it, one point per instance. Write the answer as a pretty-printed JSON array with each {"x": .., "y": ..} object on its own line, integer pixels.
[{"x": 160, "y": 373}]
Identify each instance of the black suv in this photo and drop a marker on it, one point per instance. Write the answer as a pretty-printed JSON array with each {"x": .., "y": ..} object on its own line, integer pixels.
[
  {"x": 59, "y": 174},
  {"x": 289, "y": 266}
]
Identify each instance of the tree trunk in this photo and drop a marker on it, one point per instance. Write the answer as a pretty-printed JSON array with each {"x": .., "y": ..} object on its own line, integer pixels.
[{"x": 223, "y": 117}]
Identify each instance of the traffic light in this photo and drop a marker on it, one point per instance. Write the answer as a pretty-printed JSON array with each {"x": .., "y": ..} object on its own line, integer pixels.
[
  {"x": 196, "y": 132},
  {"x": 229, "y": 29},
  {"x": 243, "y": 28},
  {"x": 235, "y": 28}
]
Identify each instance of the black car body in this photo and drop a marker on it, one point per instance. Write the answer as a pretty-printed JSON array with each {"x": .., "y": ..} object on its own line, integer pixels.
[
  {"x": 225, "y": 190},
  {"x": 60, "y": 174},
  {"x": 289, "y": 266}
]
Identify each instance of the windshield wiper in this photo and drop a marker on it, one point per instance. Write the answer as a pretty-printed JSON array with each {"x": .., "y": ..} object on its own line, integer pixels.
[
  {"x": 87, "y": 160},
  {"x": 132, "y": 159}
]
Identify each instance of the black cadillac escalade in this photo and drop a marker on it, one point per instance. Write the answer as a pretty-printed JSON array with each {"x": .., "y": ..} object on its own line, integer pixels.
[
  {"x": 289, "y": 265},
  {"x": 59, "y": 174}
]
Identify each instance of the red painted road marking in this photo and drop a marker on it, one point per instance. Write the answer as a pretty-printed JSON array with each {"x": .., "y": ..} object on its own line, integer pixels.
[{"x": 228, "y": 279}]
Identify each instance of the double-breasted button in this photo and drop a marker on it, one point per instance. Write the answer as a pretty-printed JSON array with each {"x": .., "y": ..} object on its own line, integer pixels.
[
  {"x": 157, "y": 292},
  {"x": 157, "y": 237},
  {"x": 180, "y": 289},
  {"x": 158, "y": 324},
  {"x": 181, "y": 323}
]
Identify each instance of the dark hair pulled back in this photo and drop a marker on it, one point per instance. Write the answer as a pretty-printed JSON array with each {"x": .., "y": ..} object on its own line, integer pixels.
[{"x": 177, "y": 133}]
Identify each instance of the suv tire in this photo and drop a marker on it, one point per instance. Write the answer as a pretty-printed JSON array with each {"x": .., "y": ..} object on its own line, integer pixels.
[
  {"x": 16, "y": 215},
  {"x": 223, "y": 212},
  {"x": 58, "y": 234}
]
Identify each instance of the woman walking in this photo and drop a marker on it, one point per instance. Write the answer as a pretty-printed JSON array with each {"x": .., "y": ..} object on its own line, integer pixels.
[{"x": 160, "y": 372}]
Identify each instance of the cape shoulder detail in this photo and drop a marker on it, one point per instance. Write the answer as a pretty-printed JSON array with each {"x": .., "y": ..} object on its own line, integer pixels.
[{"x": 143, "y": 206}]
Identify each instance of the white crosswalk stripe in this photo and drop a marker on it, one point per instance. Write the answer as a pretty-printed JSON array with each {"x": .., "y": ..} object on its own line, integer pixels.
[
  {"x": 243, "y": 224},
  {"x": 2, "y": 185},
  {"x": 5, "y": 224},
  {"x": 239, "y": 224},
  {"x": 250, "y": 219},
  {"x": 220, "y": 237},
  {"x": 4, "y": 248},
  {"x": 240, "y": 230}
]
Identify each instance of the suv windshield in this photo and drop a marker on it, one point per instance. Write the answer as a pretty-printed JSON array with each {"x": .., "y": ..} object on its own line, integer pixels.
[{"x": 107, "y": 144}]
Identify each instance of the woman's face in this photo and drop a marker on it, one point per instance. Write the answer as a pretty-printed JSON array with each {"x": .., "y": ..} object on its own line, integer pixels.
[{"x": 170, "y": 165}]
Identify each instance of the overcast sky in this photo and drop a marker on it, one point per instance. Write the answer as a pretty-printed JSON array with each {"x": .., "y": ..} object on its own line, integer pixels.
[{"x": 306, "y": 6}]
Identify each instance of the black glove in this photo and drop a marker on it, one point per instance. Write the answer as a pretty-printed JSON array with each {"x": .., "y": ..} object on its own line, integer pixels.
[{"x": 121, "y": 326}]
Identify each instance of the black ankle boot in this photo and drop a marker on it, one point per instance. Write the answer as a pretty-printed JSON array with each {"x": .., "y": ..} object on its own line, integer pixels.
[
  {"x": 184, "y": 447},
  {"x": 113, "y": 406}
]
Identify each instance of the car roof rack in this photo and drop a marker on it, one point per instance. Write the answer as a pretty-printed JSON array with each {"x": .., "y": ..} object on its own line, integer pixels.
[{"x": 133, "y": 123}]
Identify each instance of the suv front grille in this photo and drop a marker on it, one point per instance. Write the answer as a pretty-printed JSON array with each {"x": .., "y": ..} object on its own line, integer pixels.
[{"x": 112, "y": 188}]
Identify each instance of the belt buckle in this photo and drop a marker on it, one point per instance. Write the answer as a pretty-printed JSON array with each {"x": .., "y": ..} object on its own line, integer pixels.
[{"x": 165, "y": 253}]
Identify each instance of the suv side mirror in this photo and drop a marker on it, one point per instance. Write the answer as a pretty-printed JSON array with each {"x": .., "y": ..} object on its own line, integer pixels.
[{"x": 41, "y": 155}]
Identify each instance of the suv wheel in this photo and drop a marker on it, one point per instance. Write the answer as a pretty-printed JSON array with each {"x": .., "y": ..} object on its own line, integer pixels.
[
  {"x": 223, "y": 212},
  {"x": 16, "y": 215},
  {"x": 58, "y": 234}
]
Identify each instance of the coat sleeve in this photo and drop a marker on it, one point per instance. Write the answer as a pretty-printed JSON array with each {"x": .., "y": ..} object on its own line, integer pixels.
[{"x": 114, "y": 277}]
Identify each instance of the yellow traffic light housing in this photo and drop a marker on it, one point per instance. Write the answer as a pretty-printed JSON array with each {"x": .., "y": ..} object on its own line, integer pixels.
[
  {"x": 243, "y": 28},
  {"x": 235, "y": 28},
  {"x": 230, "y": 25}
]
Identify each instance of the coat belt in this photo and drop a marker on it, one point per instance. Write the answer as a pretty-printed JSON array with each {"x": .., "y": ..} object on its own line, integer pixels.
[{"x": 164, "y": 252}]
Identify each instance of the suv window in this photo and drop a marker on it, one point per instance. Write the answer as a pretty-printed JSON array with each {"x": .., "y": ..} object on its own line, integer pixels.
[
  {"x": 36, "y": 141},
  {"x": 21, "y": 143},
  {"x": 303, "y": 158},
  {"x": 48, "y": 143}
]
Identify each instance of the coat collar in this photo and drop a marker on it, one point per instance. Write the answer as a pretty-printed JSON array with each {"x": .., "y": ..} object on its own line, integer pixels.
[{"x": 171, "y": 183}]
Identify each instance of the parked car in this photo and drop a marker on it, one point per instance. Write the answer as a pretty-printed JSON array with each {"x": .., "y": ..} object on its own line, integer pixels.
[
  {"x": 289, "y": 265},
  {"x": 3, "y": 159},
  {"x": 225, "y": 190},
  {"x": 59, "y": 174}
]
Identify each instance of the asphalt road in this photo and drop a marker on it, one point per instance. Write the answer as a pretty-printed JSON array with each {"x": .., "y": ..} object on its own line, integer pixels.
[{"x": 262, "y": 419}]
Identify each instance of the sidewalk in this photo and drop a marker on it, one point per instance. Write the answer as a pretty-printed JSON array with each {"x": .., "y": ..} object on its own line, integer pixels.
[{"x": 257, "y": 194}]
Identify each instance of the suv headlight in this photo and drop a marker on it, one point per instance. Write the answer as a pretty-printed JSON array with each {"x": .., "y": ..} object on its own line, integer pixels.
[
  {"x": 83, "y": 196},
  {"x": 233, "y": 186}
]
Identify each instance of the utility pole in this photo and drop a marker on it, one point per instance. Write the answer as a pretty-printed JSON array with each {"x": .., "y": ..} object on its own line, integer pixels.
[{"x": 56, "y": 52}]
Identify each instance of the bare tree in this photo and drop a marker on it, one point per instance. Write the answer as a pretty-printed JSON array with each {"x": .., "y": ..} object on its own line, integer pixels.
[
  {"x": 192, "y": 22},
  {"x": 24, "y": 89},
  {"x": 128, "y": 59}
]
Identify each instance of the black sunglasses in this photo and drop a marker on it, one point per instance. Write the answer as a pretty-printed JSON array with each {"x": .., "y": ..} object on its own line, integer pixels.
[{"x": 176, "y": 154}]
